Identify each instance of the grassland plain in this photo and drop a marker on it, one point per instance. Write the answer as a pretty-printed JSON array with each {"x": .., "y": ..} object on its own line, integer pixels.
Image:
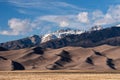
[{"x": 58, "y": 75}]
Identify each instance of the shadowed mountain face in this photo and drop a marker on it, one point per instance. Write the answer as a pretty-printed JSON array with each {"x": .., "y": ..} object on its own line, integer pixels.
[
  {"x": 110, "y": 36},
  {"x": 3, "y": 49},
  {"x": 98, "y": 58},
  {"x": 22, "y": 43}
]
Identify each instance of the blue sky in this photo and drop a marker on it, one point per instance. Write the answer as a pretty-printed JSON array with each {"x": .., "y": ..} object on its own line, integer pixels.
[{"x": 22, "y": 18}]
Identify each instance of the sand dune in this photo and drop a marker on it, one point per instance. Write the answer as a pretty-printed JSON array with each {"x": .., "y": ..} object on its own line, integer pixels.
[
  {"x": 103, "y": 57},
  {"x": 5, "y": 64}
]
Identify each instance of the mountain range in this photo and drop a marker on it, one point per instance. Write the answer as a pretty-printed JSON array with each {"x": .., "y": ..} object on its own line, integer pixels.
[
  {"x": 94, "y": 37},
  {"x": 95, "y": 50},
  {"x": 110, "y": 36}
]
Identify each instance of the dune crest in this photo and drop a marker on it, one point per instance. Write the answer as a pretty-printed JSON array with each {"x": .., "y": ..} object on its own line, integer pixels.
[{"x": 103, "y": 57}]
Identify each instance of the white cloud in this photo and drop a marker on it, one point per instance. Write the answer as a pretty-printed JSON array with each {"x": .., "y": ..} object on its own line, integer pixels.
[
  {"x": 97, "y": 14},
  {"x": 64, "y": 24},
  {"x": 22, "y": 11},
  {"x": 85, "y": 20},
  {"x": 67, "y": 5},
  {"x": 18, "y": 26},
  {"x": 114, "y": 11},
  {"x": 82, "y": 20},
  {"x": 52, "y": 6},
  {"x": 112, "y": 16},
  {"x": 62, "y": 21},
  {"x": 83, "y": 17},
  {"x": 107, "y": 19}
]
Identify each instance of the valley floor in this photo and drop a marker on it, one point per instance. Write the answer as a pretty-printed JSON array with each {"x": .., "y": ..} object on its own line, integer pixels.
[{"x": 36, "y": 75}]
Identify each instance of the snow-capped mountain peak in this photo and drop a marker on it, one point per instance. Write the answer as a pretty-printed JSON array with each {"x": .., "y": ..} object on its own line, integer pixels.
[
  {"x": 48, "y": 37},
  {"x": 97, "y": 27},
  {"x": 35, "y": 39},
  {"x": 60, "y": 34},
  {"x": 118, "y": 25}
]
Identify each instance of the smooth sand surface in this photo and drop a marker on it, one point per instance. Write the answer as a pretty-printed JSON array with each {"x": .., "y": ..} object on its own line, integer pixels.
[{"x": 100, "y": 58}]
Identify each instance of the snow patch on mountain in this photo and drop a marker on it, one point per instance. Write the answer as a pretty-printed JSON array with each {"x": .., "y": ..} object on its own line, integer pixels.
[
  {"x": 118, "y": 25},
  {"x": 60, "y": 34},
  {"x": 35, "y": 39},
  {"x": 95, "y": 28}
]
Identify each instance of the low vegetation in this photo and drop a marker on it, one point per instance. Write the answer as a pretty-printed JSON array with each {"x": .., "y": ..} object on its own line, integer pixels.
[{"x": 57, "y": 76}]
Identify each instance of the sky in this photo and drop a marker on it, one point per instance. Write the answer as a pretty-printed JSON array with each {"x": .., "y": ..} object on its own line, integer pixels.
[{"x": 23, "y": 18}]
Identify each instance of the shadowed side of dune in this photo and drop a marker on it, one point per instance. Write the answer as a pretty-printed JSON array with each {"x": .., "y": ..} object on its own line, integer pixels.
[
  {"x": 67, "y": 58},
  {"x": 17, "y": 66},
  {"x": 110, "y": 63},
  {"x": 89, "y": 60},
  {"x": 38, "y": 50},
  {"x": 6, "y": 64},
  {"x": 64, "y": 59}
]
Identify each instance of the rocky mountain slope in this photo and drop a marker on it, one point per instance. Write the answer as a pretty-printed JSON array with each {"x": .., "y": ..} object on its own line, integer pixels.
[
  {"x": 60, "y": 34},
  {"x": 22, "y": 43},
  {"x": 36, "y": 40},
  {"x": 109, "y": 36},
  {"x": 69, "y": 37}
]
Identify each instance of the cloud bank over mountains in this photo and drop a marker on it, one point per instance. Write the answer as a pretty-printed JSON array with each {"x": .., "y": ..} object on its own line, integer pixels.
[{"x": 71, "y": 16}]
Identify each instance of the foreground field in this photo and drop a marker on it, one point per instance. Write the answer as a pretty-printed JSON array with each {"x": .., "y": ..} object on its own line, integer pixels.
[{"x": 58, "y": 76}]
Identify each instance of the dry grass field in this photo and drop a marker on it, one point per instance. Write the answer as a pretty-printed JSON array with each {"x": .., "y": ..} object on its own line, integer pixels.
[{"x": 55, "y": 75}]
